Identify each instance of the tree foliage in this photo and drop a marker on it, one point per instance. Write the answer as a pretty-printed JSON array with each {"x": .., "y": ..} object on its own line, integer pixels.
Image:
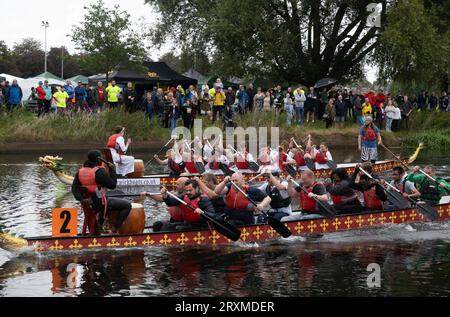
[
  {"x": 294, "y": 40},
  {"x": 107, "y": 40},
  {"x": 187, "y": 60},
  {"x": 415, "y": 45}
]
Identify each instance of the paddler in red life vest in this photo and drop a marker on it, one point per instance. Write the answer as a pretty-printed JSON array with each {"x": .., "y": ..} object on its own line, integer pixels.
[
  {"x": 174, "y": 161},
  {"x": 368, "y": 140},
  {"x": 298, "y": 155},
  {"x": 118, "y": 148},
  {"x": 176, "y": 215},
  {"x": 322, "y": 156},
  {"x": 345, "y": 199},
  {"x": 308, "y": 205},
  {"x": 238, "y": 209},
  {"x": 90, "y": 184},
  {"x": 215, "y": 161},
  {"x": 208, "y": 184},
  {"x": 241, "y": 159},
  {"x": 373, "y": 192},
  {"x": 194, "y": 197},
  {"x": 284, "y": 159}
]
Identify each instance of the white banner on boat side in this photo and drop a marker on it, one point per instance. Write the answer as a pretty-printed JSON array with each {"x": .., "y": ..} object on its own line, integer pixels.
[{"x": 133, "y": 182}]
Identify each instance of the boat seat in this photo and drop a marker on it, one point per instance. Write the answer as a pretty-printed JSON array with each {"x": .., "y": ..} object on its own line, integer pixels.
[
  {"x": 107, "y": 154},
  {"x": 90, "y": 223}
]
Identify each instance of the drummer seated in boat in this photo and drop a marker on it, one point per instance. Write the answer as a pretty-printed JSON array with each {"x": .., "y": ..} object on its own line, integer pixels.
[
  {"x": 239, "y": 210},
  {"x": 116, "y": 144},
  {"x": 192, "y": 219},
  {"x": 308, "y": 205},
  {"x": 90, "y": 184},
  {"x": 322, "y": 157},
  {"x": 373, "y": 193}
]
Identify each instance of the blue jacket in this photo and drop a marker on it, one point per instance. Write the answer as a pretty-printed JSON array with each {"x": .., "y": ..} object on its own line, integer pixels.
[
  {"x": 80, "y": 93},
  {"x": 48, "y": 92},
  {"x": 14, "y": 95},
  {"x": 70, "y": 90},
  {"x": 243, "y": 97}
]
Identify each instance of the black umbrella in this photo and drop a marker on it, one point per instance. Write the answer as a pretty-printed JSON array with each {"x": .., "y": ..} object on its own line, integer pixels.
[{"x": 325, "y": 82}]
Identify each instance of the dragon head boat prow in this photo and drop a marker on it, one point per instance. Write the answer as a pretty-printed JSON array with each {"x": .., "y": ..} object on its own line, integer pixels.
[
  {"x": 53, "y": 163},
  {"x": 414, "y": 156}
]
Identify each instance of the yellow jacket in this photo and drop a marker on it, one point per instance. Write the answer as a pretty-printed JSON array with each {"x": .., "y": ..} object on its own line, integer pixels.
[{"x": 219, "y": 98}]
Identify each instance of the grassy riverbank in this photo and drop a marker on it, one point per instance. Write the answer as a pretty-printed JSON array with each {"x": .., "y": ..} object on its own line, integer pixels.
[{"x": 22, "y": 127}]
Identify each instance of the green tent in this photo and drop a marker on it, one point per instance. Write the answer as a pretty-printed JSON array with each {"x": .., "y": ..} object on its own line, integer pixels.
[
  {"x": 78, "y": 78},
  {"x": 48, "y": 75}
]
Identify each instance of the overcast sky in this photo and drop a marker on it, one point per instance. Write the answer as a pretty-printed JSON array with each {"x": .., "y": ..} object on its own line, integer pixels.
[{"x": 23, "y": 18}]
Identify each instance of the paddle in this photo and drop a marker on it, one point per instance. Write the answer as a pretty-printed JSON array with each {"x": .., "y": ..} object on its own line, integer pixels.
[
  {"x": 409, "y": 168},
  {"x": 290, "y": 170},
  {"x": 276, "y": 224},
  {"x": 225, "y": 169},
  {"x": 223, "y": 227},
  {"x": 425, "y": 209},
  {"x": 253, "y": 166},
  {"x": 332, "y": 165},
  {"x": 325, "y": 209},
  {"x": 159, "y": 152},
  {"x": 395, "y": 198}
]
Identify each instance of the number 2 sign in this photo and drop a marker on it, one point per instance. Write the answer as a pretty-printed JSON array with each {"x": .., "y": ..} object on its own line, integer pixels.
[{"x": 64, "y": 222}]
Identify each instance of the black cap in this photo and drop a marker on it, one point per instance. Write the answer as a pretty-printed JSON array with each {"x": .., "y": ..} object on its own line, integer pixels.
[{"x": 94, "y": 155}]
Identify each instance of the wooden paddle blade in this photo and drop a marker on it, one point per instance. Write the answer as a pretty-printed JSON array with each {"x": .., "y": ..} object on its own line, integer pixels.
[
  {"x": 279, "y": 227},
  {"x": 397, "y": 199},
  {"x": 291, "y": 170},
  {"x": 223, "y": 227},
  {"x": 428, "y": 211},
  {"x": 310, "y": 164},
  {"x": 200, "y": 167},
  {"x": 332, "y": 165},
  {"x": 225, "y": 169},
  {"x": 253, "y": 166}
]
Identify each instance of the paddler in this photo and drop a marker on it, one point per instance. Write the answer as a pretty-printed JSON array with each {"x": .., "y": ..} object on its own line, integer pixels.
[
  {"x": 173, "y": 160},
  {"x": 239, "y": 209},
  {"x": 193, "y": 197},
  {"x": 207, "y": 186},
  {"x": 277, "y": 196},
  {"x": 345, "y": 199},
  {"x": 298, "y": 155},
  {"x": 373, "y": 192},
  {"x": 214, "y": 162},
  {"x": 176, "y": 215},
  {"x": 308, "y": 205},
  {"x": 90, "y": 184},
  {"x": 241, "y": 158},
  {"x": 118, "y": 148},
  {"x": 399, "y": 180},
  {"x": 431, "y": 191},
  {"x": 322, "y": 156},
  {"x": 284, "y": 159}
]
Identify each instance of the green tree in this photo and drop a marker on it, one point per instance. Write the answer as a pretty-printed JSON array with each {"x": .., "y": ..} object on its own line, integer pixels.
[
  {"x": 7, "y": 64},
  {"x": 28, "y": 57},
  {"x": 71, "y": 63},
  {"x": 293, "y": 40},
  {"x": 415, "y": 46},
  {"x": 107, "y": 39},
  {"x": 186, "y": 60}
]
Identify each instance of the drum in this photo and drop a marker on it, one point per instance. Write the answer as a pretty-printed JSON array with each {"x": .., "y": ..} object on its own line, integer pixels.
[
  {"x": 138, "y": 169},
  {"x": 135, "y": 222}
]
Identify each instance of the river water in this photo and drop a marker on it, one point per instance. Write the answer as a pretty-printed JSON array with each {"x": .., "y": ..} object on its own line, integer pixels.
[{"x": 414, "y": 259}]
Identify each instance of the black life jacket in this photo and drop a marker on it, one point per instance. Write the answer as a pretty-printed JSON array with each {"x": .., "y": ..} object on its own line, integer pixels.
[
  {"x": 277, "y": 200},
  {"x": 430, "y": 190}
]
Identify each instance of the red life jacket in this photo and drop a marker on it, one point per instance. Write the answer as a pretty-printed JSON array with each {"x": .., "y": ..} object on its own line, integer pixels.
[
  {"x": 214, "y": 165},
  {"x": 175, "y": 167},
  {"x": 190, "y": 166},
  {"x": 176, "y": 214},
  {"x": 371, "y": 199},
  {"x": 321, "y": 158},
  {"x": 112, "y": 142},
  {"x": 306, "y": 203},
  {"x": 298, "y": 157},
  {"x": 369, "y": 134},
  {"x": 282, "y": 159},
  {"x": 235, "y": 199},
  {"x": 188, "y": 214},
  {"x": 86, "y": 176},
  {"x": 241, "y": 163},
  {"x": 264, "y": 159}
]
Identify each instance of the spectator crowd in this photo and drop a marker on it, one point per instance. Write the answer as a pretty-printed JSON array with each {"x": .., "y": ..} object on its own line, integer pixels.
[{"x": 176, "y": 105}]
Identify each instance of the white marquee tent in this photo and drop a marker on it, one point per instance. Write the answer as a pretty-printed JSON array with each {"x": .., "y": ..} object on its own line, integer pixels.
[{"x": 28, "y": 83}]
